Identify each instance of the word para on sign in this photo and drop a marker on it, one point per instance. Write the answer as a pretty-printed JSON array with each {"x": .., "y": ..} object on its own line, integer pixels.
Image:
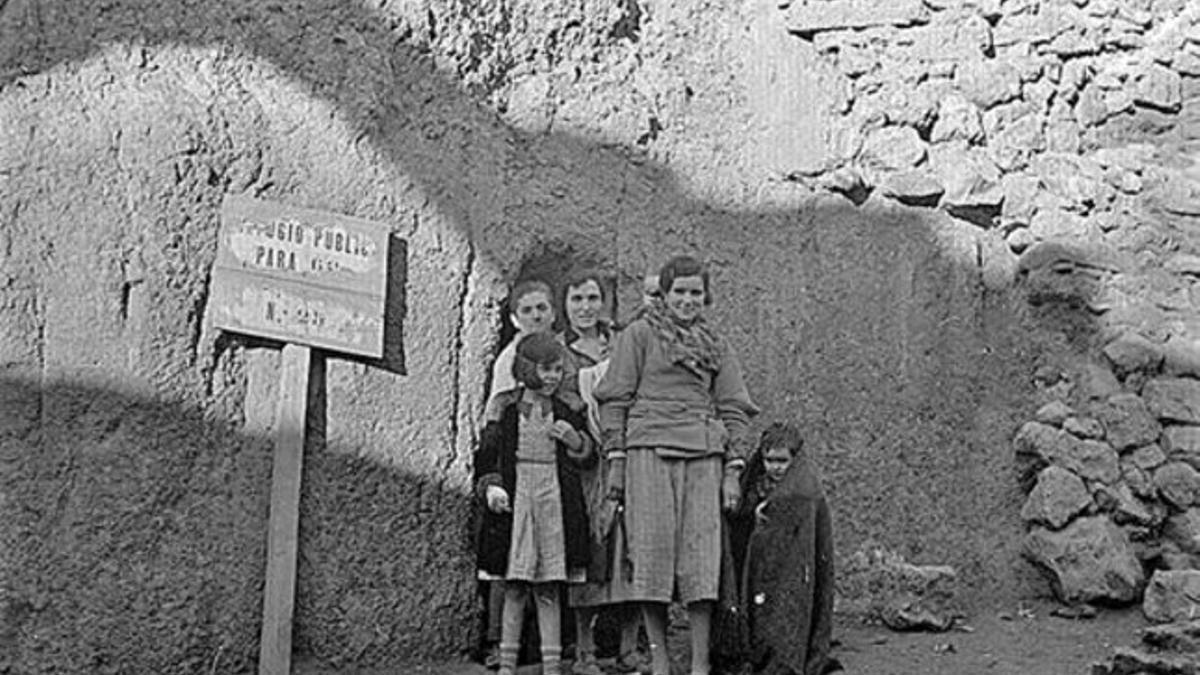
[{"x": 288, "y": 245}]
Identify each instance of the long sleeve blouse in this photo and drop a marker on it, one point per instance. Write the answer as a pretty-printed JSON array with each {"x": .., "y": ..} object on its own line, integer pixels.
[{"x": 648, "y": 400}]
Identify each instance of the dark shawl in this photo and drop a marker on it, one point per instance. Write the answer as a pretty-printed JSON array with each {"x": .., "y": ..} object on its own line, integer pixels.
[{"x": 787, "y": 563}]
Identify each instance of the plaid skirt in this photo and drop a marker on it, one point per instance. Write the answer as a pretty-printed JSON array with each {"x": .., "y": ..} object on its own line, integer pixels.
[{"x": 673, "y": 521}]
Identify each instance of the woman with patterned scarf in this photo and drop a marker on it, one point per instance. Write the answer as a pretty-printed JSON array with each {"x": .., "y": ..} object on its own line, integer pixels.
[{"x": 674, "y": 421}]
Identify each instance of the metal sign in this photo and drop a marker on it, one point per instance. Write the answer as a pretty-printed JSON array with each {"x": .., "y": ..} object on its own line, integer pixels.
[{"x": 301, "y": 276}]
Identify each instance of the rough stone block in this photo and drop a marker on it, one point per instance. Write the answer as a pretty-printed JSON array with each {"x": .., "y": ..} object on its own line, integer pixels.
[
  {"x": 1158, "y": 87},
  {"x": 1138, "y": 480},
  {"x": 1117, "y": 101},
  {"x": 811, "y": 16},
  {"x": 1020, "y": 189},
  {"x": 958, "y": 119},
  {"x": 1024, "y": 28},
  {"x": 1177, "y": 483},
  {"x": 1174, "y": 399},
  {"x": 1181, "y": 357},
  {"x": 988, "y": 83},
  {"x": 951, "y": 42},
  {"x": 1182, "y": 442},
  {"x": 1172, "y": 596},
  {"x": 1125, "y": 508},
  {"x": 1090, "y": 560},
  {"x": 1132, "y": 353},
  {"x": 1084, "y": 427},
  {"x": 1072, "y": 178},
  {"x": 1054, "y": 413},
  {"x": 971, "y": 179},
  {"x": 882, "y": 585},
  {"x": 1148, "y": 457},
  {"x": 892, "y": 148},
  {"x": 1089, "y": 108},
  {"x": 911, "y": 187},
  {"x": 1056, "y": 224},
  {"x": 1134, "y": 661},
  {"x": 1183, "y": 263},
  {"x": 1035, "y": 439},
  {"x": 1057, "y": 498},
  {"x": 1012, "y": 145},
  {"x": 1092, "y": 460},
  {"x": 1186, "y": 63},
  {"x": 1184, "y": 530},
  {"x": 1180, "y": 636},
  {"x": 1072, "y": 44},
  {"x": 1128, "y": 422},
  {"x": 1063, "y": 135}
]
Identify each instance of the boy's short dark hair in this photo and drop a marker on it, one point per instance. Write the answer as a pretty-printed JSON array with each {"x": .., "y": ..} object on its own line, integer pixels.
[
  {"x": 782, "y": 435},
  {"x": 534, "y": 350},
  {"x": 526, "y": 286}
]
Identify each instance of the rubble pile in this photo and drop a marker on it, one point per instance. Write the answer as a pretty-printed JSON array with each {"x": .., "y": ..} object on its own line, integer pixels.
[
  {"x": 1112, "y": 461},
  {"x": 880, "y": 586}
]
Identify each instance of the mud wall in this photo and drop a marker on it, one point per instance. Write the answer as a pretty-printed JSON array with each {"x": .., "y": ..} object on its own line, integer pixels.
[{"x": 134, "y": 438}]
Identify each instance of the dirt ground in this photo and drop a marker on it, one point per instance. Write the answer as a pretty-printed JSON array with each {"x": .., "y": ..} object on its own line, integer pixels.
[{"x": 1021, "y": 640}]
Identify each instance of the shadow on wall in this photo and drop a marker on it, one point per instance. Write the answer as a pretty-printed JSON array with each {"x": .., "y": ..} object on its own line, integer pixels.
[
  {"x": 134, "y": 541},
  {"x": 132, "y": 536}
]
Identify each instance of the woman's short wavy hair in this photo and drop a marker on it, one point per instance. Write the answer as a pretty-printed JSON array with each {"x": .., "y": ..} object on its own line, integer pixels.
[
  {"x": 683, "y": 266},
  {"x": 537, "y": 349}
]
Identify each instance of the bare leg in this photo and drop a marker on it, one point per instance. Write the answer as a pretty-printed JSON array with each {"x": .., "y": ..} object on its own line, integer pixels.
[
  {"x": 655, "y": 616},
  {"x": 549, "y": 615},
  {"x": 700, "y": 620},
  {"x": 510, "y": 626}
]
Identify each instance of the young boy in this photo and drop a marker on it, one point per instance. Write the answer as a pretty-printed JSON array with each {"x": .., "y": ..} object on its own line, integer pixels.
[{"x": 782, "y": 545}]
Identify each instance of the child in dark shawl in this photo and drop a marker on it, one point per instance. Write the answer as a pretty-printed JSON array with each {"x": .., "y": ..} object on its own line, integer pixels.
[{"x": 778, "y": 618}]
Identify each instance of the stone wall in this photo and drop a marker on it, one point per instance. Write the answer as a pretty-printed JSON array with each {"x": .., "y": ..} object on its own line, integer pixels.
[
  {"x": 490, "y": 136},
  {"x": 1066, "y": 131},
  {"x": 1039, "y": 121}
]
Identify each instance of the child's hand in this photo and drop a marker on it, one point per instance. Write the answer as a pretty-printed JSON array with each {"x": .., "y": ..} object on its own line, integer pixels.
[
  {"x": 563, "y": 432},
  {"x": 760, "y": 513},
  {"x": 731, "y": 492},
  {"x": 616, "y": 479},
  {"x": 497, "y": 499}
]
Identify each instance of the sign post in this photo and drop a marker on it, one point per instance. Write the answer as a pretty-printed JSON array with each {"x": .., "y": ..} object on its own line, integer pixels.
[
  {"x": 275, "y": 644},
  {"x": 310, "y": 279}
]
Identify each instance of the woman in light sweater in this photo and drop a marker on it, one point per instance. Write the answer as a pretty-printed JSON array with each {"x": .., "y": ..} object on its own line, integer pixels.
[{"x": 674, "y": 420}]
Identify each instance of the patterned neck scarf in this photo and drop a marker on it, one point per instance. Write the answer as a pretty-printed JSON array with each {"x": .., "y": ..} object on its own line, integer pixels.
[{"x": 692, "y": 345}]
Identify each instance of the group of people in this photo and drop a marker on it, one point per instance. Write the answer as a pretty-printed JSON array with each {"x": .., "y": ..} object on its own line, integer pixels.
[{"x": 621, "y": 464}]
